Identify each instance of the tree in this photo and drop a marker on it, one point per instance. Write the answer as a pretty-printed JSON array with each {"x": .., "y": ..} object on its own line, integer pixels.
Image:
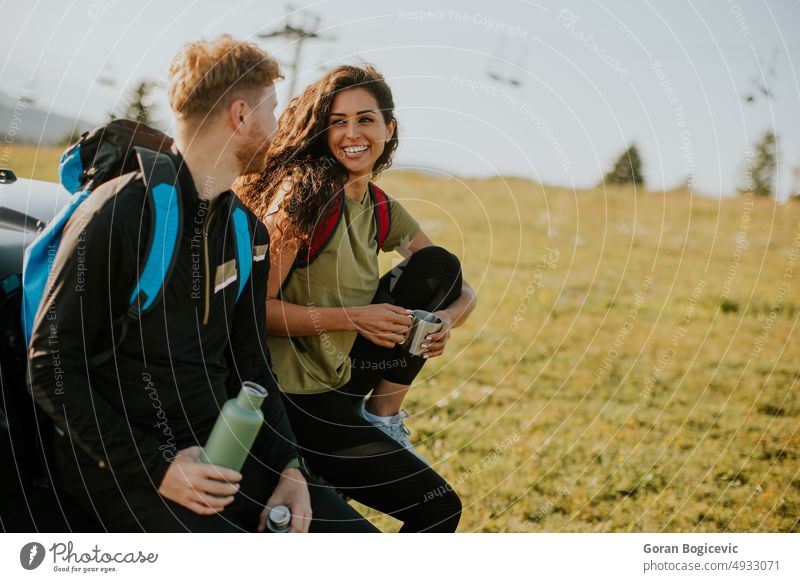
[
  {"x": 139, "y": 105},
  {"x": 627, "y": 169},
  {"x": 760, "y": 171}
]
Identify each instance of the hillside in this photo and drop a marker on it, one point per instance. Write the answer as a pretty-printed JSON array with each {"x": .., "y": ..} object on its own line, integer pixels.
[{"x": 24, "y": 123}]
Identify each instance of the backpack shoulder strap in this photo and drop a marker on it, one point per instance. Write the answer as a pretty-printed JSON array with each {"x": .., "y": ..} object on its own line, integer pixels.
[
  {"x": 37, "y": 261},
  {"x": 322, "y": 234},
  {"x": 383, "y": 214},
  {"x": 243, "y": 242},
  {"x": 164, "y": 200}
]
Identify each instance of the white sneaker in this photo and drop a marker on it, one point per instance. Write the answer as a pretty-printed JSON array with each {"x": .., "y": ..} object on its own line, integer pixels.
[{"x": 395, "y": 428}]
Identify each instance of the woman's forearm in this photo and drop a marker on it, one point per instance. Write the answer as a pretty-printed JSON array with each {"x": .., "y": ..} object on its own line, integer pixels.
[
  {"x": 460, "y": 309},
  {"x": 289, "y": 319}
]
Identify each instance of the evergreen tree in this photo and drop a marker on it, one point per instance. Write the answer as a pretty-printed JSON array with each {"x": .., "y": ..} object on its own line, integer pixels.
[
  {"x": 139, "y": 105},
  {"x": 627, "y": 169},
  {"x": 760, "y": 176}
]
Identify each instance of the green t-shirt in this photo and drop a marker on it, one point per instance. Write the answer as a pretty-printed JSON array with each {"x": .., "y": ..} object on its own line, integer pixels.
[{"x": 344, "y": 274}]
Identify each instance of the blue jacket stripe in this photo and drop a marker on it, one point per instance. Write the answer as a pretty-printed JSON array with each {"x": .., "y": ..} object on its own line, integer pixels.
[
  {"x": 244, "y": 248},
  {"x": 165, "y": 240}
]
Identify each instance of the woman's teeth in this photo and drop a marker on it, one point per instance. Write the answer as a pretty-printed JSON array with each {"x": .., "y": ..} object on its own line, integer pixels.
[{"x": 355, "y": 149}]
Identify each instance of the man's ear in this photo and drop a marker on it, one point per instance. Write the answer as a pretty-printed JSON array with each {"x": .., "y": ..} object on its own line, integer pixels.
[{"x": 237, "y": 113}]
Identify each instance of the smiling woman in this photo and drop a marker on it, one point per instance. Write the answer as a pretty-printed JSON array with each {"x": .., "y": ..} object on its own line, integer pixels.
[
  {"x": 304, "y": 155},
  {"x": 337, "y": 328}
]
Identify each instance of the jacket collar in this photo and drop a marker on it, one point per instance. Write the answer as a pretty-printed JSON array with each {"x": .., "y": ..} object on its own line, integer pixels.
[{"x": 189, "y": 192}]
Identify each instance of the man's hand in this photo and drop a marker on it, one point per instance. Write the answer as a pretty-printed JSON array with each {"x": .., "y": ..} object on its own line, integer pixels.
[
  {"x": 205, "y": 489},
  {"x": 292, "y": 491}
]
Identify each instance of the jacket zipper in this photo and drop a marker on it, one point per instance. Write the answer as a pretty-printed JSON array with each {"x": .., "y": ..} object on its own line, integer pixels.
[{"x": 206, "y": 222}]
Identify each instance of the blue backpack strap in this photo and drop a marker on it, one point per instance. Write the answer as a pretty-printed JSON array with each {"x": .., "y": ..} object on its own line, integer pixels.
[
  {"x": 244, "y": 244},
  {"x": 164, "y": 199},
  {"x": 37, "y": 262}
]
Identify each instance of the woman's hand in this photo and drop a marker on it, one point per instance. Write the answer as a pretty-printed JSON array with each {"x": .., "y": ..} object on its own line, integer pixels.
[
  {"x": 383, "y": 324},
  {"x": 205, "y": 489},
  {"x": 434, "y": 344}
]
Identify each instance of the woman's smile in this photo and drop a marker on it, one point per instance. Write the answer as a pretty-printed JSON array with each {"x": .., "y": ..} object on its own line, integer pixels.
[{"x": 355, "y": 151}]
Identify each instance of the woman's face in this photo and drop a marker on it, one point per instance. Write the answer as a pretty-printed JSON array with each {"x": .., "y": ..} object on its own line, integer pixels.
[{"x": 356, "y": 131}]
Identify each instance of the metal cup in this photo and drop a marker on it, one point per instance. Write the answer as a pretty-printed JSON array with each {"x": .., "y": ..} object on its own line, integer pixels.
[{"x": 423, "y": 323}]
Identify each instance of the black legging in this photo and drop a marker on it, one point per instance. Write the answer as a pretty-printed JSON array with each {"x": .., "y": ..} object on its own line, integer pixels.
[{"x": 353, "y": 455}]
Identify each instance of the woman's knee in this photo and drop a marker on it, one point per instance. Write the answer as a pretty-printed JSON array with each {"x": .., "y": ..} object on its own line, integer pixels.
[
  {"x": 442, "y": 270},
  {"x": 439, "y": 272},
  {"x": 437, "y": 259}
]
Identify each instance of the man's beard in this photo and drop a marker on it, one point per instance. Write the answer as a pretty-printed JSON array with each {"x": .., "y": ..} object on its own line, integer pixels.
[{"x": 252, "y": 156}]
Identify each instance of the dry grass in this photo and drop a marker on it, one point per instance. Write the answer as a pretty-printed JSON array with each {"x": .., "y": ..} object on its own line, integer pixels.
[{"x": 28, "y": 161}]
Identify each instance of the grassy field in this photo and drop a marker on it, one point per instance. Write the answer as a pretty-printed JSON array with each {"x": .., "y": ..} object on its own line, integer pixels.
[
  {"x": 28, "y": 161},
  {"x": 632, "y": 364}
]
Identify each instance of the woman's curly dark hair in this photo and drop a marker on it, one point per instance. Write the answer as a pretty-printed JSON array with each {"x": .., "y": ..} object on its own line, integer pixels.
[{"x": 300, "y": 162}]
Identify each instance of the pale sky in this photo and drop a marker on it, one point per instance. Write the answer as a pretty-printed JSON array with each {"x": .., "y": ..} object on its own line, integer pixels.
[{"x": 591, "y": 77}]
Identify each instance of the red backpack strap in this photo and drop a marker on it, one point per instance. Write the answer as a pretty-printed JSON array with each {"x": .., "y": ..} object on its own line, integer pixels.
[
  {"x": 321, "y": 234},
  {"x": 383, "y": 214}
]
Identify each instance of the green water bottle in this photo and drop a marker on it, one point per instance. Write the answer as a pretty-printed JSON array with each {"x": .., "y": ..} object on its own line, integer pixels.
[{"x": 236, "y": 428}]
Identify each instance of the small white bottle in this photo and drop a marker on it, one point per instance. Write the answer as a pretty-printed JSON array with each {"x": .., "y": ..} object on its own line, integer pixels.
[{"x": 279, "y": 519}]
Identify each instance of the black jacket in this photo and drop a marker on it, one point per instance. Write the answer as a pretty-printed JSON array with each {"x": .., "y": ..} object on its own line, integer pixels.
[{"x": 176, "y": 367}]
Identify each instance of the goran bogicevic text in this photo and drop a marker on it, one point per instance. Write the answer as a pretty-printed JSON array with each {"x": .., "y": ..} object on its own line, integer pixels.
[{"x": 698, "y": 550}]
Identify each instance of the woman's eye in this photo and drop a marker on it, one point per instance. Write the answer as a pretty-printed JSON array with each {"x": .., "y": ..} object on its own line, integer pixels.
[
  {"x": 337, "y": 122},
  {"x": 366, "y": 119}
]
